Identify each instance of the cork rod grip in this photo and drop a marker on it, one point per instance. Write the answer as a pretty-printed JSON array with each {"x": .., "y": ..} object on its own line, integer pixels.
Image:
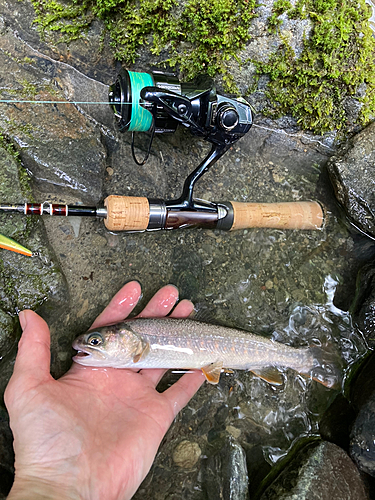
[
  {"x": 293, "y": 215},
  {"x": 127, "y": 213}
]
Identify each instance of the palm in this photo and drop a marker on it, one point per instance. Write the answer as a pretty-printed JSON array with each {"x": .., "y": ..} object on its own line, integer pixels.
[{"x": 100, "y": 428}]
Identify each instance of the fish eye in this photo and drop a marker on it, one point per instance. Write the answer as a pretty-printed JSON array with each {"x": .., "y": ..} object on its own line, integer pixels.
[{"x": 95, "y": 339}]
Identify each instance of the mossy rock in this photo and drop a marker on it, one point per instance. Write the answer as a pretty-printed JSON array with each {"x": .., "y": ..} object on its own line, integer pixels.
[
  {"x": 327, "y": 85},
  {"x": 24, "y": 281}
]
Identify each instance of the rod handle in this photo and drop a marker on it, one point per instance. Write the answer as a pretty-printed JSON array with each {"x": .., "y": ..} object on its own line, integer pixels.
[
  {"x": 288, "y": 215},
  {"x": 126, "y": 213}
]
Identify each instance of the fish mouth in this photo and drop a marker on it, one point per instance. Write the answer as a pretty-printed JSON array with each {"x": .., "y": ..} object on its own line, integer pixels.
[{"x": 81, "y": 356}]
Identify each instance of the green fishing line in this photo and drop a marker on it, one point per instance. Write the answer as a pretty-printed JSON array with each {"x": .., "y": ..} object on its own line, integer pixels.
[{"x": 141, "y": 119}]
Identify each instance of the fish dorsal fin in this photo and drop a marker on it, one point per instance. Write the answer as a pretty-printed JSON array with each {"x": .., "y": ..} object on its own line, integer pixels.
[
  {"x": 212, "y": 372},
  {"x": 204, "y": 315},
  {"x": 141, "y": 352},
  {"x": 270, "y": 375}
]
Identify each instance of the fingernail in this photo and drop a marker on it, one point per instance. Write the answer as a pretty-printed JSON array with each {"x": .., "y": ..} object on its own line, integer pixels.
[{"x": 22, "y": 317}]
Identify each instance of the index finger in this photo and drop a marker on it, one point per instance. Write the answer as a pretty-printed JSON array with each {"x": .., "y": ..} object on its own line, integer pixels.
[
  {"x": 161, "y": 303},
  {"x": 120, "y": 306}
]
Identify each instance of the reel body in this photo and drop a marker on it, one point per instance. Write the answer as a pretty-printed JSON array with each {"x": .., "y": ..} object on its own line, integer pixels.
[
  {"x": 157, "y": 102},
  {"x": 143, "y": 102}
]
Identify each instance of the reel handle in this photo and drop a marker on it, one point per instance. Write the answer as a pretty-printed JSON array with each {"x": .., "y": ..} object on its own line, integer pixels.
[{"x": 129, "y": 213}]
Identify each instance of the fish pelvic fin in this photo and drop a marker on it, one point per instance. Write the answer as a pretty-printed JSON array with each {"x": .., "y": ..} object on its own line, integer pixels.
[
  {"x": 212, "y": 372},
  {"x": 142, "y": 351},
  {"x": 270, "y": 375},
  {"x": 327, "y": 366}
]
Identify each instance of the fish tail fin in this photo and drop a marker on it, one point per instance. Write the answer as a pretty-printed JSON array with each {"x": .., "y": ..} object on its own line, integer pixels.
[{"x": 326, "y": 366}]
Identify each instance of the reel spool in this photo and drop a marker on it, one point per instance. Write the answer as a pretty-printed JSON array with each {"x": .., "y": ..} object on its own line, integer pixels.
[{"x": 133, "y": 113}]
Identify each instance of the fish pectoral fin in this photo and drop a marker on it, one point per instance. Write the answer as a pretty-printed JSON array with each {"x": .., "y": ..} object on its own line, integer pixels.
[
  {"x": 270, "y": 375},
  {"x": 212, "y": 372},
  {"x": 142, "y": 351}
]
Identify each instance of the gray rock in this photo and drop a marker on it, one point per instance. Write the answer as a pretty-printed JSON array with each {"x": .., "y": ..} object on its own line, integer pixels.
[
  {"x": 351, "y": 172},
  {"x": 226, "y": 473},
  {"x": 61, "y": 149},
  {"x": 25, "y": 282},
  {"x": 362, "y": 439},
  {"x": 322, "y": 472},
  {"x": 83, "y": 54},
  {"x": 364, "y": 304}
]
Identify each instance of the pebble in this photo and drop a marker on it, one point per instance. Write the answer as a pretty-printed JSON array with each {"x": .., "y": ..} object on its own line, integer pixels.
[
  {"x": 236, "y": 433},
  {"x": 269, "y": 284},
  {"x": 186, "y": 454}
]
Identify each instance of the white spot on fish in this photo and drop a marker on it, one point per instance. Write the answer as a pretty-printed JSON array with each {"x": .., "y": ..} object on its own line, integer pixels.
[{"x": 186, "y": 350}]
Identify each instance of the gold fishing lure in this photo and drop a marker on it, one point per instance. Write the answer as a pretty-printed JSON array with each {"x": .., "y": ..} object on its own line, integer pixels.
[{"x": 13, "y": 246}]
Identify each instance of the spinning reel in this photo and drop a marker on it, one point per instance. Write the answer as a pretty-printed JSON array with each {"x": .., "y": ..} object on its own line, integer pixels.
[{"x": 157, "y": 102}]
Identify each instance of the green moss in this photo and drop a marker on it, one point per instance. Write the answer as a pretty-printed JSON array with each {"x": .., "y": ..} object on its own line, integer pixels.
[
  {"x": 279, "y": 8},
  {"x": 213, "y": 32},
  {"x": 13, "y": 126},
  {"x": 337, "y": 58},
  {"x": 23, "y": 176},
  {"x": 6, "y": 144},
  {"x": 201, "y": 36},
  {"x": 24, "y": 180},
  {"x": 28, "y": 89}
]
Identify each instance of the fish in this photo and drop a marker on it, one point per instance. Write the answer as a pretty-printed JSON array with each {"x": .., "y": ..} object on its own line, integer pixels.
[{"x": 190, "y": 344}]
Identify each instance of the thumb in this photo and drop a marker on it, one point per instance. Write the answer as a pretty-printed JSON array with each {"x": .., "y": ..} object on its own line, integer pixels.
[{"x": 33, "y": 355}]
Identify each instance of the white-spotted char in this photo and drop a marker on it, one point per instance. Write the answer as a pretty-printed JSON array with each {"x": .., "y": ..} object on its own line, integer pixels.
[{"x": 189, "y": 344}]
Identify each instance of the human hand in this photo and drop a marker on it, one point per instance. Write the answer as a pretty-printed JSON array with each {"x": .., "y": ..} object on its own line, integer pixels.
[{"x": 94, "y": 433}]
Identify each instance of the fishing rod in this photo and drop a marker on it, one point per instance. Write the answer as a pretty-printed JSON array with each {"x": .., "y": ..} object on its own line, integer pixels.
[
  {"x": 131, "y": 213},
  {"x": 157, "y": 103}
]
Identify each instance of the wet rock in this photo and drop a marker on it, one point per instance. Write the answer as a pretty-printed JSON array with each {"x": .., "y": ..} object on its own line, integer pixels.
[
  {"x": 336, "y": 422},
  {"x": 362, "y": 438},
  {"x": 43, "y": 279},
  {"x": 25, "y": 282},
  {"x": 186, "y": 454},
  {"x": 226, "y": 473},
  {"x": 361, "y": 386},
  {"x": 262, "y": 43},
  {"x": 6, "y": 455},
  {"x": 82, "y": 53},
  {"x": 258, "y": 467},
  {"x": 59, "y": 146},
  {"x": 9, "y": 334},
  {"x": 320, "y": 472},
  {"x": 364, "y": 304},
  {"x": 352, "y": 175},
  {"x": 188, "y": 271}
]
